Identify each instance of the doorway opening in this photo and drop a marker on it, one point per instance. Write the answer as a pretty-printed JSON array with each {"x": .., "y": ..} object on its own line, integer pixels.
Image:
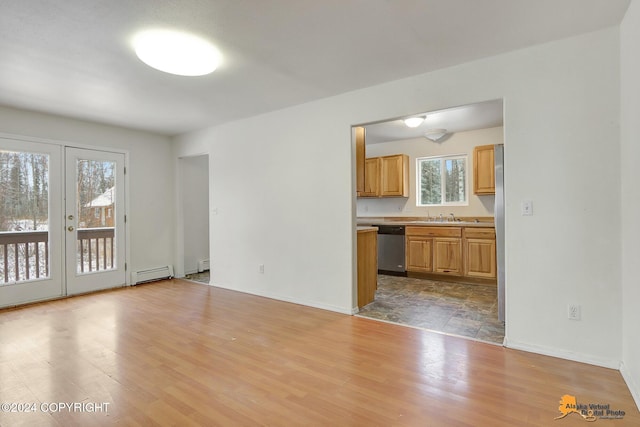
[
  {"x": 452, "y": 277},
  {"x": 194, "y": 207}
]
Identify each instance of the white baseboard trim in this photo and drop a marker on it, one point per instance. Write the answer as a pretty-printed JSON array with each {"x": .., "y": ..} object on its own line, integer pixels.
[
  {"x": 631, "y": 384},
  {"x": 307, "y": 303},
  {"x": 568, "y": 355}
]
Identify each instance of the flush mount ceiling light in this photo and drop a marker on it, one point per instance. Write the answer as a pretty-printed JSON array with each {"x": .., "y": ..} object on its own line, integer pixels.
[
  {"x": 176, "y": 52},
  {"x": 414, "y": 122},
  {"x": 435, "y": 134}
]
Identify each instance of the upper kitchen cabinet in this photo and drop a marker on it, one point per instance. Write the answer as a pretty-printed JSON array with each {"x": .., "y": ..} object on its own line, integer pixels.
[
  {"x": 386, "y": 176},
  {"x": 484, "y": 179},
  {"x": 360, "y": 159},
  {"x": 371, "y": 178},
  {"x": 394, "y": 176}
]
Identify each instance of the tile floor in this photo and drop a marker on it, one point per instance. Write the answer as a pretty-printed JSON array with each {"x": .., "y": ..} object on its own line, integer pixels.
[
  {"x": 199, "y": 277},
  {"x": 454, "y": 308}
]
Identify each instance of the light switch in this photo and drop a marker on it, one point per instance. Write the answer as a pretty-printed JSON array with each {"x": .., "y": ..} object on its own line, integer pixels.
[{"x": 527, "y": 208}]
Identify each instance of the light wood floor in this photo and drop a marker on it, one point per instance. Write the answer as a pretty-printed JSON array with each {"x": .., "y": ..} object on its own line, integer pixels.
[{"x": 181, "y": 353}]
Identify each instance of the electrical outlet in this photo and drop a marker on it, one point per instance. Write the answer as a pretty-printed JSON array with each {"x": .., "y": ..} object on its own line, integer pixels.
[
  {"x": 573, "y": 311},
  {"x": 527, "y": 208},
  {"x": 261, "y": 268}
]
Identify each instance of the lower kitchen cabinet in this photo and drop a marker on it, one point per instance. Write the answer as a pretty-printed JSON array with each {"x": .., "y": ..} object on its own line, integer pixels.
[
  {"x": 419, "y": 253},
  {"x": 447, "y": 255},
  {"x": 367, "y": 265},
  {"x": 433, "y": 249},
  {"x": 480, "y": 253},
  {"x": 453, "y": 251}
]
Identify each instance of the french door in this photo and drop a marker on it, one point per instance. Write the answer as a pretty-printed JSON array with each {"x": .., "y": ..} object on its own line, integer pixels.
[
  {"x": 94, "y": 220},
  {"x": 61, "y": 221}
]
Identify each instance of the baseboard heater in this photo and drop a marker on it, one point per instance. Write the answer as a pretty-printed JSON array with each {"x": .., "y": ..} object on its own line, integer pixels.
[
  {"x": 149, "y": 275},
  {"x": 203, "y": 265}
]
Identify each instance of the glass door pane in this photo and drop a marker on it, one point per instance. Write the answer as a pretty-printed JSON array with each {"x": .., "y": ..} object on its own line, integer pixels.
[
  {"x": 24, "y": 216},
  {"x": 29, "y": 245},
  {"x": 96, "y": 207}
]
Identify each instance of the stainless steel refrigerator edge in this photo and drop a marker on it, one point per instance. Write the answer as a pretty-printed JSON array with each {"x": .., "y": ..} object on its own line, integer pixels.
[{"x": 499, "y": 219}]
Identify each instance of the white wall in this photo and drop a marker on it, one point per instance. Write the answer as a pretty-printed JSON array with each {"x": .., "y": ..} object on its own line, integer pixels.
[
  {"x": 283, "y": 184},
  {"x": 457, "y": 143},
  {"x": 150, "y": 175},
  {"x": 194, "y": 185},
  {"x": 630, "y": 218}
]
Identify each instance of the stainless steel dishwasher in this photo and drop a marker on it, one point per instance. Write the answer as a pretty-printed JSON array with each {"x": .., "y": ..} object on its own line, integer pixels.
[{"x": 391, "y": 250}]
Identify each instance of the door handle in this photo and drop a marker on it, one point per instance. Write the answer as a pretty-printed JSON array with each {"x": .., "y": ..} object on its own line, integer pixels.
[
  {"x": 70, "y": 217},
  {"x": 70, "y": 228}
]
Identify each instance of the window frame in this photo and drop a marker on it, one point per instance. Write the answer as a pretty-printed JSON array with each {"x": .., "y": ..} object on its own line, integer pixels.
[{"x": 442, "y": 158}]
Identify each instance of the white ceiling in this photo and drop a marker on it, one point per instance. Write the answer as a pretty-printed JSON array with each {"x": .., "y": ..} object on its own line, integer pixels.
[
  {"x": 456, "y": 119},
  {"x": 74, "y": 58}
]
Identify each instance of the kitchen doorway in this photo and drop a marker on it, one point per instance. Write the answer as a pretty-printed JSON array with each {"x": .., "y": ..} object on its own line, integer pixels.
[{"x": 441, "y": 299}]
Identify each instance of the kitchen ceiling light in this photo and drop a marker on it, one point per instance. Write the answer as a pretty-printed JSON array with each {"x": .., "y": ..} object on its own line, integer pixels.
[
  {"x": 435, "y": 134},
  {"x": 176, "y": 52},
  {"x": 414, "y": 122}
]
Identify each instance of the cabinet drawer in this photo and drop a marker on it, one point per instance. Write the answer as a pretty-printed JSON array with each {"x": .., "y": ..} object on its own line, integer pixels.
[
  {"x": 479, "y": 233},
  {"x": 433, "y": 231}
]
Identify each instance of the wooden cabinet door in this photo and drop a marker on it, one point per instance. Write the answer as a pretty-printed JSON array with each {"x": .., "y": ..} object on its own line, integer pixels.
[
  {"x": 394, "y": 176},
  {"x": 481, "y": 258},
  {"x": 360, "y": 159},
  {"x": 419, "y": 252},
  {"x": 371, "y": 177},
  {"x": 367, "y": 266},
  {"x": 484, "y": 181},
  {"x": 447, "y": 255}
]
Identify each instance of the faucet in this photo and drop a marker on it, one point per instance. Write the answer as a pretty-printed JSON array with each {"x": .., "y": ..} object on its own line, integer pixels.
[{"x": 453, "y": 217}]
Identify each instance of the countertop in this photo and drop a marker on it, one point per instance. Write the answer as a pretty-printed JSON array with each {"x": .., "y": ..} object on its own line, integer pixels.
[
  {"x": 369, "y": 221},
  {"x": 365, "y": 228}
]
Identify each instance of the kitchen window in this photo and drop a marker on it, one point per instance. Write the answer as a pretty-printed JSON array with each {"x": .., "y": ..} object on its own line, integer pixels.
[{"x": 441, "y": 181}]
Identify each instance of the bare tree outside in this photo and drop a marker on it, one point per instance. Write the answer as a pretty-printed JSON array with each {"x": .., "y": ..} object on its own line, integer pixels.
[
  {"x": 96, "y": 209},
  {"x": 24, "y": 216}
]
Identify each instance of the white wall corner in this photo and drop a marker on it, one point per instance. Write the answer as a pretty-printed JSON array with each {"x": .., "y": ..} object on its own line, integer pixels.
[{"x": 634, "y": 388}]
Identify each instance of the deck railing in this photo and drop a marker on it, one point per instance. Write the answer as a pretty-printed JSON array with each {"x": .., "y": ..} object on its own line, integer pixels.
[
  {"x": 95, "y": 245},
  {"x": 24, "y": 255}
]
